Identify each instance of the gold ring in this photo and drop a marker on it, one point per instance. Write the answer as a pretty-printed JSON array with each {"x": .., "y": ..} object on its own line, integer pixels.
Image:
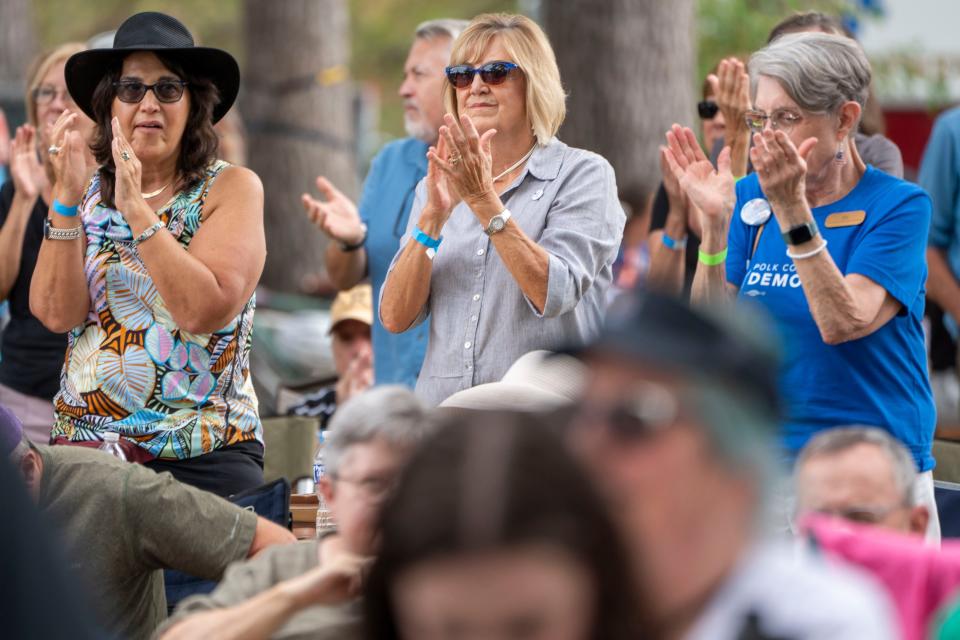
[
  {"x": 124, "y": 155},
  {"x": 454, "y": 160}
]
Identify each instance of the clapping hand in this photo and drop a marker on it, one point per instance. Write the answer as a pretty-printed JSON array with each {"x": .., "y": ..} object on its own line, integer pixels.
[
  {"x": 126, "y": 196},
  {"x": 781, "y": 167},
  {"x": 357, "y": 378},
  {"x": 469, "y": 165},
  {"x": 25, "y": 168},
  {"x": 337, "y": 216},
  {"x": 440, "y": 199},
  {"x": 68, "y": 158},
  {"x": 731, "y": 89},
  {"x": 711, "y": 190}
]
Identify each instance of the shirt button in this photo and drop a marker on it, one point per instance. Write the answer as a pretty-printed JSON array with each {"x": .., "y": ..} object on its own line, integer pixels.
[
  {"x": 467, "y": 344},
  {"x": 479, "y": 252},
  {"x": 469, "y": 366},
  {"x": 476, "y": 297},
  {"x": 473, "y": 318},
  {"x": 479, "y": 274}
]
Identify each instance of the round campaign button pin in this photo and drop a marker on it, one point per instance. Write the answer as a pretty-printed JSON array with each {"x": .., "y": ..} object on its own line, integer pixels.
[{"x": 755, "y": 212}]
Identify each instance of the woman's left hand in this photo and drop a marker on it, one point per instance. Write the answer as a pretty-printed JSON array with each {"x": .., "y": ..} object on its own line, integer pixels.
[
  {"x": 781, "y": 167},
  {"x": 127, "y": 196},
  {"x": 469, "y": 165}
]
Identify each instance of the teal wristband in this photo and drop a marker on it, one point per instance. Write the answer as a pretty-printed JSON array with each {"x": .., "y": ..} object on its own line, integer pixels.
[
  {"x": 712, "y": 259},
  {"x": 425, "y": 240},
  {"x": 63, "y": 209},
  {"x": 672, "y": 244}
]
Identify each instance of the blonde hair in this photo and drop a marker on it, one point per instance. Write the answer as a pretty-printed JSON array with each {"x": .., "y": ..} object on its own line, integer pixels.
[
  {"x": 40, "y": 67},
  {"x": 529, "y": 48}
]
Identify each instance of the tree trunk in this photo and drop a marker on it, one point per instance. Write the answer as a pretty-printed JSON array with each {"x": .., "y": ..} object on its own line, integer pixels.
[
  {"x": 297, "y": 106},
  {"x": 628, "y": 67},
  {"x": 18, "y": 45}
]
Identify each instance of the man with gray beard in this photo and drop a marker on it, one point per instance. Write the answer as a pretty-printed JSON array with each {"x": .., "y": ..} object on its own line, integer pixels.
[{"x": 364, "y": 241}]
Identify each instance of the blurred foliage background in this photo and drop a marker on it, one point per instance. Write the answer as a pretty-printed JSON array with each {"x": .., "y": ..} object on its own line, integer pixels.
[{"x": 381, "y": 30}]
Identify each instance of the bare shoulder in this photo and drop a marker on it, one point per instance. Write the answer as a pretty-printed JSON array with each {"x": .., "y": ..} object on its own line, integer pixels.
[{"x": 234, "y": 179}]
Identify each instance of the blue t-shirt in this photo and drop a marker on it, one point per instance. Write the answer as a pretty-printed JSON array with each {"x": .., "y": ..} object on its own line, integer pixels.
[
  {"x": 385, "y": 208},
  {"x": 940, "y": 177},
  {"x": 878, "y": 380}
]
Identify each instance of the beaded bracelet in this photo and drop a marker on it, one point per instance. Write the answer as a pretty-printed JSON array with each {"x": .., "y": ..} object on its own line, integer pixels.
[{"x": 148, "y": 233}]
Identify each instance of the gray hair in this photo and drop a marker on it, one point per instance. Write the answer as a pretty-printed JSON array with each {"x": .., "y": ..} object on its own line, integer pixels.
[
  {"x": 440, "y": 28},
  {"x": 819, "y": 71},
  {"x": 391, "y": 413},
  {"x": 834, "y": 441}
]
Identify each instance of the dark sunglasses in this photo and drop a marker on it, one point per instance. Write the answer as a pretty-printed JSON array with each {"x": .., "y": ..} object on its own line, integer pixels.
[
  {"x": 461, "y": 75},
  {"x": 707, "y": 109},
  {"x": 133, "y": 90},
  {"x": 650, "y": 409}
]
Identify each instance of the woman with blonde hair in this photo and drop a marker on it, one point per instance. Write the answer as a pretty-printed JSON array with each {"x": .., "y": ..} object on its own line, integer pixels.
[
  {"x": 529, "y": 226},
  {"x": 32, "y": 356}
]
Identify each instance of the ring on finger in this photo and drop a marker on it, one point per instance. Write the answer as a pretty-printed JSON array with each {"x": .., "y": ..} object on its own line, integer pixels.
[
  {"x": 454, "y": 159},
  {"x": 124, "y": 155},
  {"x": 53, "y": 150}
]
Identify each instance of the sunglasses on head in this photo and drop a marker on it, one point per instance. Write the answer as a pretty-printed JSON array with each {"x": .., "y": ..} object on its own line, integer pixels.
[
  {"x": 461, "y": 75},
  {"x": 132, "y": 91},
  {"x": 707, "y": 109}
]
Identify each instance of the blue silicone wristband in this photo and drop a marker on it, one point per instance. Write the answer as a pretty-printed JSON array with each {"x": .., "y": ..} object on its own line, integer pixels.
[
  {"x": 670, "y": 243},
  {"x": 63, "y": 209},
  {"x": 425, "y": 240}
]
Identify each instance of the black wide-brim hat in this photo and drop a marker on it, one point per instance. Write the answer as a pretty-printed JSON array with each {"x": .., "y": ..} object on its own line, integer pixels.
[{"x": 160, "y": 33}]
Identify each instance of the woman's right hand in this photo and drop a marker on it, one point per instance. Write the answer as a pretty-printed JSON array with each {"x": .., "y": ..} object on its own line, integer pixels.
[
  {"x": 711, "y": 190},
  {"x": 440, "y": 198},
  {"x": 25, "y": 168},
  {"x": 69, "y": 163}
]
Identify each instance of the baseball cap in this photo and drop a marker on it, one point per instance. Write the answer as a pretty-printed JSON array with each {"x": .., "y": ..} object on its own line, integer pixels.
[{"x": 352, "y": 304}]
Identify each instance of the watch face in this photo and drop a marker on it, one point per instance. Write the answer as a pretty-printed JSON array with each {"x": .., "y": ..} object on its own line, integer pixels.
[{"x": 497, "y": 223}]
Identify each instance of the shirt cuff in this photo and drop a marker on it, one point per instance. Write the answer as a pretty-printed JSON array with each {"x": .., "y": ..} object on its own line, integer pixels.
[{"x": 556, "y": 276}]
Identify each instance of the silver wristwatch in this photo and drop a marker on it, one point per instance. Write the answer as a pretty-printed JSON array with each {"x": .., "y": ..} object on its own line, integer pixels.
[
  {"x": 498, "y": 222},
  {"x": 53, "y": 233}
]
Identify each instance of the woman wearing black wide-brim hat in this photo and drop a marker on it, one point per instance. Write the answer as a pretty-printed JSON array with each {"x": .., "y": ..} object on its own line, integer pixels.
[{"x": 151, "y": 266}]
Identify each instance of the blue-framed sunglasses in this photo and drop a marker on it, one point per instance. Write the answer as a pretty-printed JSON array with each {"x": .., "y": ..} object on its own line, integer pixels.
[{"x": 497, "y": 72}]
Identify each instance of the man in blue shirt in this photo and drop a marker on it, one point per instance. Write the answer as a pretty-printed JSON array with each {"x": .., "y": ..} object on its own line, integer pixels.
[
  {"x": 364, "y": 242},
  {"x": 940, "y": 177}
]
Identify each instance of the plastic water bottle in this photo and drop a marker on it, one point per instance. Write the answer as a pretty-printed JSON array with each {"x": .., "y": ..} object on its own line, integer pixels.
[
  {"x": 111, "y": 444},
  {"x": 324, "y": 517}
]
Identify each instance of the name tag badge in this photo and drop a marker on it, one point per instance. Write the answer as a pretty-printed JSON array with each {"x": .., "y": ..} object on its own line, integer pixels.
[
  {"x": 845, "y": 219},
  {"x": 755, "y": 212}
]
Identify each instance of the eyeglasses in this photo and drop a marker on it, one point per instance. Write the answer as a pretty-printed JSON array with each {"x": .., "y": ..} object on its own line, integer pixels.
[
  {"x": 132, "y": 91},
  {"x": 461, "y": 75},
  {"x": 780, "y": 120},
  {"x": 46, "y": 94},
  {"x": 374, "y": 487},
  {"x": 707, "y": 109},
  {"x": 862, "y": 515},
  {"x": 648, "y": 409}
]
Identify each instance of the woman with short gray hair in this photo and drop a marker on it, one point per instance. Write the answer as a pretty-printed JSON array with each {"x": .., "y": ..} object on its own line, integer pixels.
[{"x": 834, "y": 249}]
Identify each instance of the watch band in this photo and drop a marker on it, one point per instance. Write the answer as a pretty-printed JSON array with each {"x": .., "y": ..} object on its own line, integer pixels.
[
  {"x": 53, "y": 233},
  {"x": 498, "y": 222},
  {"x": 347, "y": 248},
  {"x": 801, "y": 233}
]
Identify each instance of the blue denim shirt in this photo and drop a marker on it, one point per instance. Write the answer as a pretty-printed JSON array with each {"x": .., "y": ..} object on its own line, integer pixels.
[
  {"x": 940, "y": 177},
  {"x": 385, "y": 208}
]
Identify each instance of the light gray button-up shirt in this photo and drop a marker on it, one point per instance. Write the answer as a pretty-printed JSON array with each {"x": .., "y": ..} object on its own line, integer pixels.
[{"x": 480, "y": 321}]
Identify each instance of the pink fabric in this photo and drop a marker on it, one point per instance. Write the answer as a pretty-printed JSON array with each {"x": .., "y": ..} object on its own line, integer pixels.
[{"x": 919, "y": 578}]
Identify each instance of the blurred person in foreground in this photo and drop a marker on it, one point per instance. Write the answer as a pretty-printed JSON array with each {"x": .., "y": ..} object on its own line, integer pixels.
[
  {"x": 676, "y": 424},
  {"x": 32, "y": 355},
  {"x": 675, "y": 227},
  {"x": 152, "y": 265},
  {"x": 122, "y": 524},
  {"x": 861, "y": 474},
  {"x": 364, "y": 239},
  {"x": 311, "y": 589},
  {"x": 495, "y": 532},
  {"x": 513, "y": 234},
  {"x": 351, "y": 317},
  {"x": 810, "y": 236}
]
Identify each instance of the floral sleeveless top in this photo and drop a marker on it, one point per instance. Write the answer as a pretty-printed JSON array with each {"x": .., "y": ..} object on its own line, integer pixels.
[{"x": 129, "y": 368}]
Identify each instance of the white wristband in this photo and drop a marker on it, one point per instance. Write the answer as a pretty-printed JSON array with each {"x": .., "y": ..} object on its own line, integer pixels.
[{"x": 808, "y": 254}]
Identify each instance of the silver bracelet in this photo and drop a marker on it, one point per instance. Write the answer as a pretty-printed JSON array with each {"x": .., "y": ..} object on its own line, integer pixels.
[
  {"x": 808, "y": 254},
  {"x": 148, "y": 233}
]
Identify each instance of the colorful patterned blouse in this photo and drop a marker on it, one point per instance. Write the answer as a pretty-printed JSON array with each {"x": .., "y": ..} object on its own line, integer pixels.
[{"x": 129, "y": 368}]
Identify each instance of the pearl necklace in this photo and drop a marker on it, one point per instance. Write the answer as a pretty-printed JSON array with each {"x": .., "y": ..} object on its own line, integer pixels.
[
  {"x": 154, "y": 194},
  {"x": 517, "y": 163}
]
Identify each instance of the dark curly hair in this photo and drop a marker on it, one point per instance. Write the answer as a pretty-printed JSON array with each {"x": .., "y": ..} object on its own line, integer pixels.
[{"x": 198, "y": 148}]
